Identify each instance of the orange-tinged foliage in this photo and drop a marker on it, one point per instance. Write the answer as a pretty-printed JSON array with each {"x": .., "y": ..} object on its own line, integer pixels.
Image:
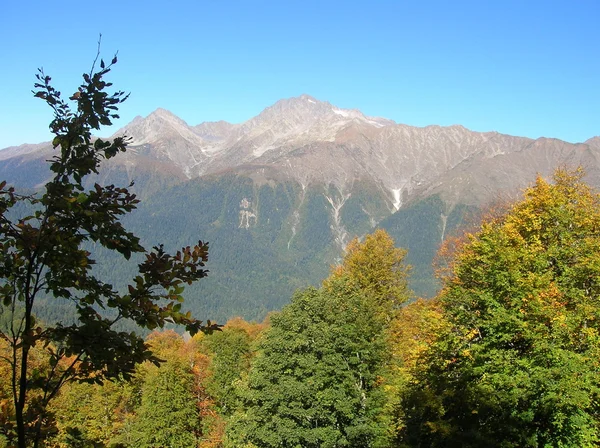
[
  {"x": 416, "y": 327},
  {"x": 213, "y": 428},
  {"x": 252, "y": 328},
  {"x": 165, "y": 342},
  {"x": 38, "y": 361},
  {"x": 104, "y": 413},
  {"x": 522, "y": 298}
]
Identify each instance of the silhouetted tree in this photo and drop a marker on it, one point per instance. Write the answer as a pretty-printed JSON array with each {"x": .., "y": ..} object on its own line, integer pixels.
[{"x": 42, "y": 253}]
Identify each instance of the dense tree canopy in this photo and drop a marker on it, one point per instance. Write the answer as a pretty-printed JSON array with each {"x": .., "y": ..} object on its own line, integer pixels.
[
  {"x": 520, "y": 366},
  {"x": 168, "y": 414},
  {"x": 317, "y": 377},
  {"x": 229, "y": 352},
  {"x": 313, "y": 382}
]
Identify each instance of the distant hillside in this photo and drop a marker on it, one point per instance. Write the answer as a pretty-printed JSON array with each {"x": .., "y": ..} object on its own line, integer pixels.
[{"x": 279, "y": 196}]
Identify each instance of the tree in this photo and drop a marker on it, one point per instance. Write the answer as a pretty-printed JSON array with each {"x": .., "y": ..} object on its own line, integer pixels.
[
  {"x": 317, "y": 378},
  {"x": 519, "y": 366},
  {"x": 43, "y": 254},
  {"x": 413, "y": 330},
  {"x": 313, "y": 382},
  {"x": 230, "y": 353},
  {"x": 168, "y": 414},
  {"x": 93, "y": 414},
  {"x": 376, "y": 267}
]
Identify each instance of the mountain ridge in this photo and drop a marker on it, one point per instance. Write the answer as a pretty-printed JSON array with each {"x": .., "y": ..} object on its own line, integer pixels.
[
  {"x": 313, "y": 141},
  {"x": 280, "y": 195}
]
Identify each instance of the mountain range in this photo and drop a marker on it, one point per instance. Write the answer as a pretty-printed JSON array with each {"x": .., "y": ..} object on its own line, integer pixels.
[{"x": 280, "y": 195}]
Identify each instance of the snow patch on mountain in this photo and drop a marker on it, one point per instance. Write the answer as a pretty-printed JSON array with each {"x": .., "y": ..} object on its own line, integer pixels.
[
  {"x": 397, "y": 192},
  {"x": 343, "y": 113},
  {"x": 337, "y": 202}
]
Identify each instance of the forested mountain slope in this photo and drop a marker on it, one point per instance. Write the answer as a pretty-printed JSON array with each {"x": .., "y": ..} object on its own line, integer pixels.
[{"x": 279, "y": 196}]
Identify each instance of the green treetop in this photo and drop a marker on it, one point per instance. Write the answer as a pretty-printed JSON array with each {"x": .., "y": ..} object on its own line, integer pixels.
[
  {"x": 317, "y": 378},
  {"x": 520, "y": 366},
  {"x": 376, "y": 267}
]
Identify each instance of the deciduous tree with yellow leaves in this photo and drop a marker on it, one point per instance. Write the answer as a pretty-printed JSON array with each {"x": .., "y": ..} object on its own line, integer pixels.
[
  {"x": 520, "y": 365},
  {"x": 377, "y": 268}
]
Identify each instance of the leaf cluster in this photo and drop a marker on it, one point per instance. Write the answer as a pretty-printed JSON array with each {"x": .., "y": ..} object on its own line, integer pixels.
[{"x": 44, "y": 255}]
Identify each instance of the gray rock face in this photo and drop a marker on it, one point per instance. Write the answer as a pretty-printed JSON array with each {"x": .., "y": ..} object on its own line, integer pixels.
[{"x": 314, "y": 142}]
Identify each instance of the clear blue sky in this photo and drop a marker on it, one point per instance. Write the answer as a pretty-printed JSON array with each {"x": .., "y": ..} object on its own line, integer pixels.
[{"x": 528, "y": 68}]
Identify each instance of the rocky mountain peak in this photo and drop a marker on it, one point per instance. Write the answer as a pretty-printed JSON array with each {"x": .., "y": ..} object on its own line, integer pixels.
[
  {"x": 307, "y": 109},
  {"x": 164, "y": 113},
  {"x": 167, "y": 117},
  {"x": 159, "y": 125},
  {"x": 301, "y": 109},
  {"x": 313, "y": 141},
  {"x": 214, "y": 131},
  {"x": 295, "y": 122},
  {"x": 594, "y": 142}
]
